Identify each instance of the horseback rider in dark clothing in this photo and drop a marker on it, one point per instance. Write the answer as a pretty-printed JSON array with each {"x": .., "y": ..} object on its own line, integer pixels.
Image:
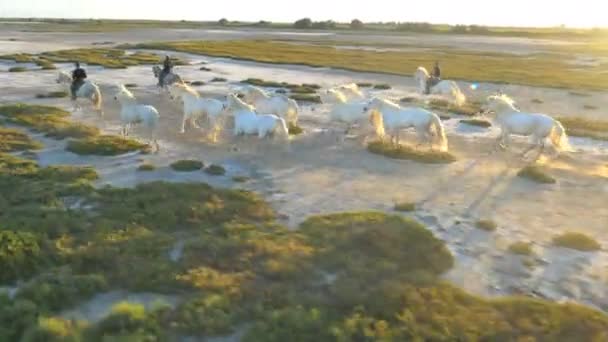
[
  {"x": 434, "y": 78},
  {"x": 78, "y": 77},
  {"x": 167, "y": 65}
]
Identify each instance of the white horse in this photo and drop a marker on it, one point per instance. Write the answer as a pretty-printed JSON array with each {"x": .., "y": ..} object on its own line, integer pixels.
[
  {"x": 350, "y": 113},
  {"x": 132, "y": 113},
  {"x": 351, "y": 91},
  {"x": 247, "y": 121},
  {"x": 443, "y": 88},
  {"x": 170, "y": 79},
  {"x": 537, "y": 126},
  {"x": 88, "y": 90},
  {"x": 277, "y": 104},
  {"x": 196, "y": 107},
  {"x": 393, "y": 118}
]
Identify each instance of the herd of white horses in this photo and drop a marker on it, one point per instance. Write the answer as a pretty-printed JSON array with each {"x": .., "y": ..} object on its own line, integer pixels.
[{"x": 255, "y": 111}]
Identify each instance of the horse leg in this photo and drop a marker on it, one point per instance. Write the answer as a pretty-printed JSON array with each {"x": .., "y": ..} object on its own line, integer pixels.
[{"x": 184, "y": 119}]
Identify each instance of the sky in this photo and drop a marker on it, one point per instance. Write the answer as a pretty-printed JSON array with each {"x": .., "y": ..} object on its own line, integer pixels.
[{"x": 572, "y": 13}]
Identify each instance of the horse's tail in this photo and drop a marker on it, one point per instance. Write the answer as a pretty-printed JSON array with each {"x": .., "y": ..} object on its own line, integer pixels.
[
  {"x": 283, "y": 130},
  {"x": 559, "y": 138},
  {"x": 97, "y": 97},
  {"x": 378, "y": 122},
  {"x": 438, "y": 126},
  {"x": 293, "y": 110},
  {"x": 459, "y": 98}
]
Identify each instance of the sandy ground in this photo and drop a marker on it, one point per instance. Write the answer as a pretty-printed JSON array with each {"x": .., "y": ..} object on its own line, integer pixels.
[{"x": 320, "y": 174}]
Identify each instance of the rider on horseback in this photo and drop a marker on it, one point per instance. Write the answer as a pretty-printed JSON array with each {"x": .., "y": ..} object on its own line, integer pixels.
[
  {"x": 434, "y": 78},
  {"x": 167, "y": 65},
  {"x": 78, "y": 77}
]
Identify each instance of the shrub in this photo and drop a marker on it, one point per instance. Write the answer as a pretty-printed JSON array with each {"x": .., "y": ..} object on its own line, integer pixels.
[
  {"x": 218, "y": 79},
  {"x": 61, "y": 290},
  {"x": 20, "y": 255},
  {"x": 106, "y": 145},
  {"x": 223, "y": 22},
  {"x": 215, "y": 170},
  {"x": 17, "y": 69},
  {"x": 536, "y": 174},
  {"x": 53, "y": 329},
  {"x": 382, "y": 86},
  {"x": 407, "y": 153},
  {"x": 487, "y": 225},
  {"x": 405, "y": 206},
  {"x": 477, "y": 122},
  {"x": 198, "y": 83},
  {"x": 12, "y": 140},
  {"x": 521, "y": 248},
  {"x": 53, "y": 94},
  {"x": 294, "y": 129},
  {"x": 577, "y": 241},
  {"x": 146, "y": 167},
  {"x": 187, "y": 165}
]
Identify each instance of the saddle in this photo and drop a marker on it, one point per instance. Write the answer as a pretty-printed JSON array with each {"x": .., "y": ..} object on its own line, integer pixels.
[{"x": 431, "y": 82}]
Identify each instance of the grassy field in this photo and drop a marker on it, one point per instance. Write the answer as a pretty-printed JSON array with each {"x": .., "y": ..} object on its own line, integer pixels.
[{"x": 548, "y": 70}]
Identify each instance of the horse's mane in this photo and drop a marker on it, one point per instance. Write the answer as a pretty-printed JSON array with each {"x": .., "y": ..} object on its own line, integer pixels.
[
  {"x": 386, "y": 102},
  {"x": 187, "y": 89},
  {"x": 338, "y": 94},
  {"x": 503, "y": 98},
  {"x": 126, "y": 92},
  {"x": 422, "y": 70},
  {"x": 239, "y": 102}
]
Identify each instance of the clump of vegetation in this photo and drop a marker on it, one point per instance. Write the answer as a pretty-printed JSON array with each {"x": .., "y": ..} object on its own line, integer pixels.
[
  {"x": 487, "y": 225},
  {"x": 218, "y": 79},
  {"x": 408, "y": 153},
  {"x": 187, "y": 165},
  {"x": 131, "y": 85},
  {"x": 240, "y": 179},
  {"x": 53, "y": 329},
  {"x": 405, "y": 206},
  {"x": 203, "y": 68},
  {"x": 263, "y": 83},
  {"x": 60, "y": 290},
  {"x": 215, "y": 170},
  {"x": 382, "y": 86},
  {"x": 577, "y": 241},
  {"x": 17, "y": 69},
  {"x": 578, "y": 93},
  {"x": 146, "y": 167},
  {"x": 106, "y": 145},
  {"x": 590, "y": 107},
  {"x": 198, "y": 83},
  {"x": 13, "y": 140},
  {"x": 536, "y": 174},
  {"x": 521, "y": 248},
  {"x": 52, "y": 121},
  {"x": 468, "y": 109},
  {"x": 20, "y": 255},
  {"x": 364, "y": 84},
  {"x": 581, "y": 127},
  {"x": 408, "y": 99},
  {"x": 53, "y": 94},
  {"x": 537, "y": 101},
  {"x": 306, "y": 98},
  {"x": 294, "y": 129},
  {"x": 45, "y": 64},
  {"x": 477, "y": 122}
]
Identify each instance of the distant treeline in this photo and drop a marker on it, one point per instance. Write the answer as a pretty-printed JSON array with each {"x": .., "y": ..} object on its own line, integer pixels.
[{"x": 355, "y": 24}]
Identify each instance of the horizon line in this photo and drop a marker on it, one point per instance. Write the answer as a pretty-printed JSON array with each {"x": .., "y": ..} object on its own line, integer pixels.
[{"x": 560, "y": 26}]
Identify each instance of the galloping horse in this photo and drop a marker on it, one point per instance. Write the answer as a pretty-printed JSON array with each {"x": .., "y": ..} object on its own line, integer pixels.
[
  {"x": 513, "y": 121},
  {"x": 449, "y": 88},
  {"x": 394, "y": 118},
  {"x": 88, "y": 90}
]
